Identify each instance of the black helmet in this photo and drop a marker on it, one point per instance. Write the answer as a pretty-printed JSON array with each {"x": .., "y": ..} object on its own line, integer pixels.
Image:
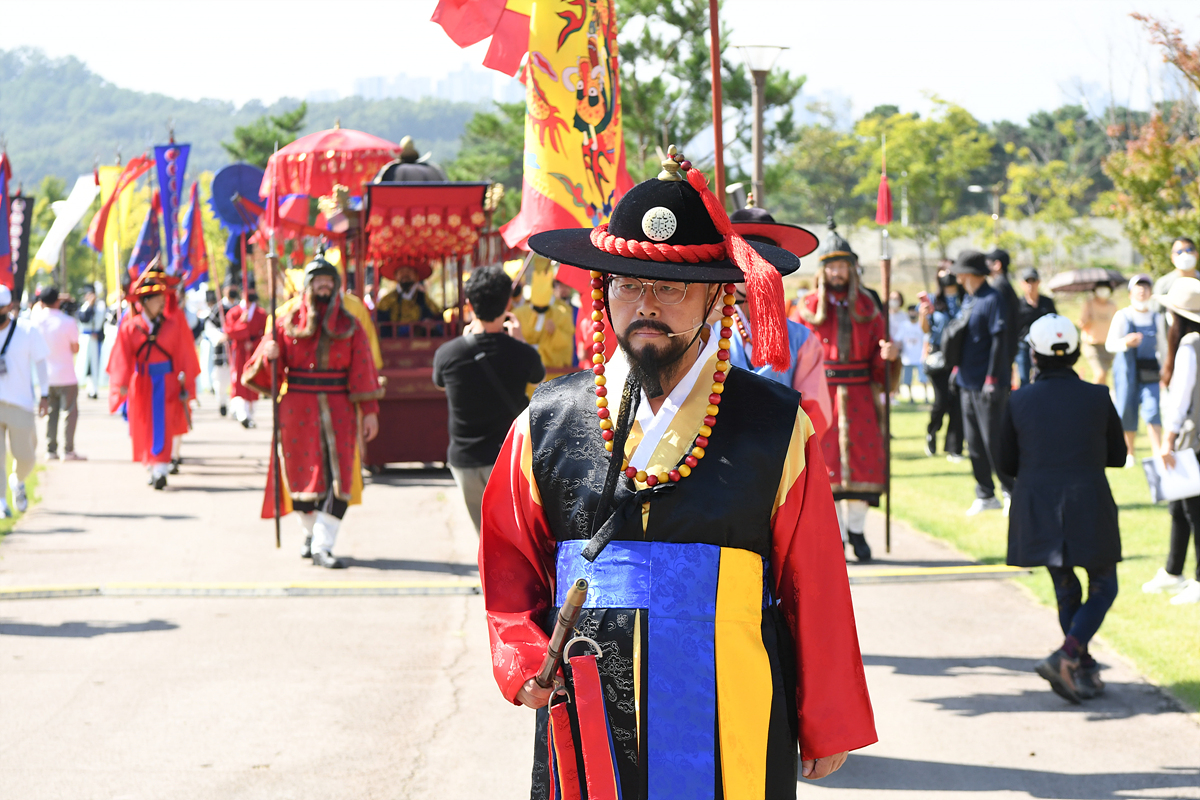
[
  {"x": 319, "y": 266},
  {"x": 835, "y": 247}
]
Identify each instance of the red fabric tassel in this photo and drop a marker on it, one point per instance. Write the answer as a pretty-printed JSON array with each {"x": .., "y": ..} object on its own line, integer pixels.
[
  {"x": 562, "y": 752},
  {"x": 599, "y": 769},
  {"x": 764, "y": 284}
]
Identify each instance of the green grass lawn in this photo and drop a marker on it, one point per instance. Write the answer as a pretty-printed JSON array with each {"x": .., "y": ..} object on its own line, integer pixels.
[{"x": 931, "y": 494}]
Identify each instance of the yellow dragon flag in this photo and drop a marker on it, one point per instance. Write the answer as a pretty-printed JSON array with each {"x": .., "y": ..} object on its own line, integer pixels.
[
  {"x": 574, "y": 146},
  {"x": 112, "y": 231}
]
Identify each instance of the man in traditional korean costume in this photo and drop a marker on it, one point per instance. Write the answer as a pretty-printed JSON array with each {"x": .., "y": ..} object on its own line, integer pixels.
[
  {"x": 323, "y": 355},
  {"x": 851, "y": 330},
  {"x": 693, "y": 498},
  {"x": 152, "y": 370},
  {"x": 245, "y": 325}
]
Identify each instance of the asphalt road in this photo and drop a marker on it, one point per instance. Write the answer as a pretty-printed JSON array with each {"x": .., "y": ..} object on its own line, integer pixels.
[{"x": 392, "y": 697}]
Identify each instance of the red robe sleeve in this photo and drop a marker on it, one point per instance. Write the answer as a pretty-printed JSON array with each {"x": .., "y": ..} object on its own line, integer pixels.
[
  {"x": 184, "y": 357},
  {"x": 235, "y": 325},
  {"x": 256, "y": 374},
  {"x": 363, "y": 385},
  {"x": 808, "y": 562},
  {"x": 876, "y": 329},
  {"x": 516, "y": 563},
  {"x": 120, "y": 366}
]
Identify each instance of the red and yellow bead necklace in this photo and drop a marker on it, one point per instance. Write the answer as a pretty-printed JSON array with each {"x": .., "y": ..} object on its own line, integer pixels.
[{"x": 728, "y": 316}]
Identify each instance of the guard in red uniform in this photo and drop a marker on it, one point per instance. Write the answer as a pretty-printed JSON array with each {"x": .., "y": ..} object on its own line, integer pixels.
[
  {"x": 245, "y": 325},
  {"x": 321, "y": 351},
  {"x": 851, "y": 330},
  {"x": 152, "y": 371}
]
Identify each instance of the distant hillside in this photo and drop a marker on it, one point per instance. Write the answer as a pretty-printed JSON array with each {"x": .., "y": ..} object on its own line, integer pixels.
[{"x": 58, "y": 117}]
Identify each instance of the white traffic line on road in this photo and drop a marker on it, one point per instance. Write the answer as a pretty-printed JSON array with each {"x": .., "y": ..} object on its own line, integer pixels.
[{"x": 311, "y": 589}]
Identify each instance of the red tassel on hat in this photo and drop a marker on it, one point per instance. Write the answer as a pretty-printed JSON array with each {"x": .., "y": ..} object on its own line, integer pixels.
[{"x": 764, "y": 284}]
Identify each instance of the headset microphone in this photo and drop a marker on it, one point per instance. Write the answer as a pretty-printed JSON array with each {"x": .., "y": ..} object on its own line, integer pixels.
[{"x": 688, "y": 332}]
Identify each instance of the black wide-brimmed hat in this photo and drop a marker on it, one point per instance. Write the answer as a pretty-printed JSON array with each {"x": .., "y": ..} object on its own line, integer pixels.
[
  {"x": 756, "y": 224},
  {"x": 668, "y": 233},
  {"x": 673, "y": 228}
]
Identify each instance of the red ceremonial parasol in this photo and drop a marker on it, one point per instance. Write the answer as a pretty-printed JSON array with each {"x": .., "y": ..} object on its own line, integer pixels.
[{"x": 312, "y": 164}]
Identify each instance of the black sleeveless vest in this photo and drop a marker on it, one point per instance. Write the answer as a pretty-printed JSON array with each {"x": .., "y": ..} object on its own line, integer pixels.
[{"x": 726, "y": 501}]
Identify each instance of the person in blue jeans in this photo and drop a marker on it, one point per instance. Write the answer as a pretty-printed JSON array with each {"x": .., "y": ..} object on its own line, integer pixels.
[
  {"x": 1056, "y": 438},
  {"x": 1133, "y": 339}
]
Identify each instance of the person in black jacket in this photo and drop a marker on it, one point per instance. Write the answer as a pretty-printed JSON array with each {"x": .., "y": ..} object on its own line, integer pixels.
[
  {"x": 1057, "y": 436},
  {"x": 485, "y": 373},
  {"x": 997, "y": 262}
]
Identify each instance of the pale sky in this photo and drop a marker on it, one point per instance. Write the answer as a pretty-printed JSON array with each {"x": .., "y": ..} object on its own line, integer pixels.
[{"x": 1001, "y": 59}]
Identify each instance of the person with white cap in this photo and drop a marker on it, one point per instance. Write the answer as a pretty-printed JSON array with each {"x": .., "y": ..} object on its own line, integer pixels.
[
  {"x": 1056, "y": 437},
  {"x": 1133, "y": 340},
  {"x": 23, "y": 352},
  {"x": 1181, "y": 424}
]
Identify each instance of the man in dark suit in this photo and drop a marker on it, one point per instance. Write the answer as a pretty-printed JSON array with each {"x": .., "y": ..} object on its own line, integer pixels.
[{"x": 1056, "y": 437}]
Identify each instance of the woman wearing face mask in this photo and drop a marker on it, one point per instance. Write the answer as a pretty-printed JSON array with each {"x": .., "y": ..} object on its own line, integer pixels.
[
  {"x": 1133, "y": 340},
  {"x": 1183, "y": 258},
  {"x": 934, "y": 315},
  {"x": 1094, "y": 322}
]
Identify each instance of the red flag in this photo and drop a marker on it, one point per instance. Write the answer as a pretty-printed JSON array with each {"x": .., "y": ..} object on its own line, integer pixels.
[
  {"x": 133, "y": 170},
  {"x": 271, "y": 218},
  {"x": 883, "y": 204}
]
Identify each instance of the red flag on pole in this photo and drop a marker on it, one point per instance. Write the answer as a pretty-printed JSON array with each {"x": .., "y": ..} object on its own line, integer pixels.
[{"x": 883, "y": 203}]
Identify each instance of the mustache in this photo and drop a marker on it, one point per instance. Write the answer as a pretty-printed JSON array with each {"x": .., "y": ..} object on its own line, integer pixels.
[{"x": 652, "y": 324}]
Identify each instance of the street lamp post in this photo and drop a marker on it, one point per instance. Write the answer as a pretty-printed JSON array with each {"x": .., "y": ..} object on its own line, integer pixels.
[
  {"x": 995, "y": 191},
  {"x": 759, "y": 60}
]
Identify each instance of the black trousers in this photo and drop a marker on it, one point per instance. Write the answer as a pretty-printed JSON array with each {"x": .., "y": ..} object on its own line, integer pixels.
[
  {"x": 1185, "y": 524},
  {"x": 946, "y": 404},
  {"x": 981, "y": 416}
]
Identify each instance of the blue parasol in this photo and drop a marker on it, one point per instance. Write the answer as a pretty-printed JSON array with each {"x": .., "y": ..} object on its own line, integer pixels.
[{"x": 236, "y": 180}]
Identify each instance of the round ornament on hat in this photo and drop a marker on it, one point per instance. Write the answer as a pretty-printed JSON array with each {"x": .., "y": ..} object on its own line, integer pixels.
[{"x": 659, "y": 224}]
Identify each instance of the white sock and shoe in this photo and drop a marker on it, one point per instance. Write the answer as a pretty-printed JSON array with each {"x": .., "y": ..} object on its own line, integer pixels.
[
  {"x": 984, "y": 504},
  {"x": 1164, "y": 581},
  {"x": 18, "y": 492},
  {"x": 1190, "y": 594}
]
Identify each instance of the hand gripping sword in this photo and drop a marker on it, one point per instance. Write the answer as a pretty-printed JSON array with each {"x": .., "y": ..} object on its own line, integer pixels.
[{"x": 563, "y": 627}]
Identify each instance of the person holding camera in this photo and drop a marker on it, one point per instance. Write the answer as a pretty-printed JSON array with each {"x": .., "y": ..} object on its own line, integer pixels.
[{"x": 485, "y": 373}]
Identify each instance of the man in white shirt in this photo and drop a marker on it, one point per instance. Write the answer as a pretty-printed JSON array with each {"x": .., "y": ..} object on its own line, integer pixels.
[
  {"x": 22, "y": 351},
  {"x": 61, "y": 334}
]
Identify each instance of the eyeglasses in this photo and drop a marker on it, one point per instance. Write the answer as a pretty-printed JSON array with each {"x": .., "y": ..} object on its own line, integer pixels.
[
  {"x": 1187, "y": 249},
  {"x": 630, "y": 290}
]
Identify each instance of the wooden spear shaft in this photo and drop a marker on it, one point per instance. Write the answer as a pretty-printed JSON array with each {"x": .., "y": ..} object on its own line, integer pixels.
[{"x": 714, "y": 28}]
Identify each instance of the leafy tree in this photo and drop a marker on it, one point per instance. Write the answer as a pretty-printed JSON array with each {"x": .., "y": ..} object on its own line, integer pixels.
[
  {"x": 932, "y": 158},
  {"x": 666, "y": 85},
  {"x": 1156, "y": 178},
  {"x": 256, "y": 142},
  {"x": 1046, "y": 193},
  {"x": 492, "y": 150},
  {"x": 816, "y": 175}
]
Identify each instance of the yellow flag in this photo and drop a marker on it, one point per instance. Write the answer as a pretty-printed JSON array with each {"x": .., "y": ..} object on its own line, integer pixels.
[
  {"x": 112, "y": 232},
  {"x": 574, "y": 147}
]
